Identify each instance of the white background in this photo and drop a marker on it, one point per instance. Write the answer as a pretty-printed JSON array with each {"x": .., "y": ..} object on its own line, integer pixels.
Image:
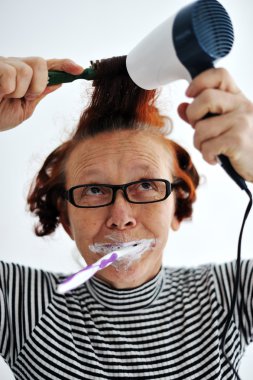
[{"x": 85, "y": 30}]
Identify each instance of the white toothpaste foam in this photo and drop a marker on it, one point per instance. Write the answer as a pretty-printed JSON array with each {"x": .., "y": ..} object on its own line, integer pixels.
[{"x": 125, "y": 262}]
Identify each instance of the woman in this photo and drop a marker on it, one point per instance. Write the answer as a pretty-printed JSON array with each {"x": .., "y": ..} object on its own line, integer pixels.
[{"x": 135, "y": 319}]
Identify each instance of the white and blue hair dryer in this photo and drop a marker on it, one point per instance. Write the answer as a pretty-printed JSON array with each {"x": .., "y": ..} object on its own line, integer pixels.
[{"x": 182, "y": 47}]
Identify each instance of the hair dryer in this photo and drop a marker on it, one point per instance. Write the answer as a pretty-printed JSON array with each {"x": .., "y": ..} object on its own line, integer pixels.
[{"x": 182, "y": 47}]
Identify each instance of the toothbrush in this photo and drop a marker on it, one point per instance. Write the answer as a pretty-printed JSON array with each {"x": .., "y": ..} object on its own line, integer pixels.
[{"x": 87, "y": 272}]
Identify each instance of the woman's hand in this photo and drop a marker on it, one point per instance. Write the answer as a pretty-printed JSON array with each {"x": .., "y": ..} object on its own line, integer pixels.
[
  {"x": 23, "y": 84},
  {"x": 230, "y": 131}
]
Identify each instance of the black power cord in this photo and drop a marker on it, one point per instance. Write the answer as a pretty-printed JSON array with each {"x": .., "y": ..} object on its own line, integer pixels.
[{"x": 236, "y": 283}]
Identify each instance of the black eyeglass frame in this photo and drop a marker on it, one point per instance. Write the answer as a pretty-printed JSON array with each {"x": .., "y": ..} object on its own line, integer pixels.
[{"x": 68, "y": 194}]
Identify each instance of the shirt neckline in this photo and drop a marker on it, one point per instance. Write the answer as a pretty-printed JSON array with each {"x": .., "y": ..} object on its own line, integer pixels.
[{"x": 126, "y": 300}]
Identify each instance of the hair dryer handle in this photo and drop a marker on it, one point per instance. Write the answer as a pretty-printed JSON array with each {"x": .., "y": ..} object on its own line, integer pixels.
[{"x": 226, "y": 165}]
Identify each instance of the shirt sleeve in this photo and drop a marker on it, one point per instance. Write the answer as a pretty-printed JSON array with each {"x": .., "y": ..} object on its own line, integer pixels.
[
  {"x": 24, "y": 295},
  {"x": 224, "y": 276}
]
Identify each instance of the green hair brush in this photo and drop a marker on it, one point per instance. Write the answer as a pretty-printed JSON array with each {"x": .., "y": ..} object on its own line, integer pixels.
[{"x": 58, "y": 77}]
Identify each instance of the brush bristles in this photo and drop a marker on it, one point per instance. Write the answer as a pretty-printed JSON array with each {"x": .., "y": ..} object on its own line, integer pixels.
[{"x": 117, "y": 101}]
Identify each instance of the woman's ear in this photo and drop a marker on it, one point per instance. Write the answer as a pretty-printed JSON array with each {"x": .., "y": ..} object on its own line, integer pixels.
[{"x": 175, "y": 224}]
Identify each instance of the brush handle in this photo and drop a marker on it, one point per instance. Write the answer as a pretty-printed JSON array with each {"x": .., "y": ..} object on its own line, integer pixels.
[
  {"x": 58, "y": 77},
  {"x": 86, "y": 273}
]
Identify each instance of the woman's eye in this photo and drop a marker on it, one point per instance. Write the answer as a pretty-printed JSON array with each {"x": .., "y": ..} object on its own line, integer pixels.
[
  {"x": 94, "y": 190},
  {"x": 90, "y": 191},
  {"x": 146, "y": 186}
]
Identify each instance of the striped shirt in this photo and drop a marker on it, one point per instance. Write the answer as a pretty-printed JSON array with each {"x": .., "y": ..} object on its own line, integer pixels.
[{"x": 167, "y": 328}]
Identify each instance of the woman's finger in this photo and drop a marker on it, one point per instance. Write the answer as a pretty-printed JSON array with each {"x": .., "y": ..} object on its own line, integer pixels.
[
  {"x": 182, "y": 111},
  {"x": 22, "y": 73},
  {"x": 226, "y": 144},
  {"x": 213, "y": 127},
  {"x": 39, "y": 78},
  {"x": 212, "y": 101},
  {"x": 211, "y": 149},
  {"x": 7, "y": 79},
  {"x": 218, "y": 78},
  {"x": 233, "y": 144},
  {"x": 66, "y": 65}
]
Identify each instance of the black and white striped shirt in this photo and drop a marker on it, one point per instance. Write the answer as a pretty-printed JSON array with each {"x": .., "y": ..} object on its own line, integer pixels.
[{"x": 168, "y": 328}]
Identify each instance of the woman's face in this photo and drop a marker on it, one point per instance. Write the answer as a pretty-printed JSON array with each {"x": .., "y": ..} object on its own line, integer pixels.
[{"x": 117, "y": 158}]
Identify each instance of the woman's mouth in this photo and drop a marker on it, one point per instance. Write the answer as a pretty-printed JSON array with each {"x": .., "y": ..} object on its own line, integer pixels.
[
  {"x": 104, "y": 248},
  {"x": 124, "y": 262}
]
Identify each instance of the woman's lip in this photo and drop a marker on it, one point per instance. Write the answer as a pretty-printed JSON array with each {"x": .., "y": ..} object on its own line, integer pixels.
[{"x": 104, "y": 248}]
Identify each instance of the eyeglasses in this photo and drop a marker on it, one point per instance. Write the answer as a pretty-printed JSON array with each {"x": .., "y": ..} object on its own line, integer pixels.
[{"x": 100, "y": 195}]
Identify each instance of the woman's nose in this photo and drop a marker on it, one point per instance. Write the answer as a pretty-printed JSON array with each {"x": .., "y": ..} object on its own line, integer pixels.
[{"x": 120, "y": 213}]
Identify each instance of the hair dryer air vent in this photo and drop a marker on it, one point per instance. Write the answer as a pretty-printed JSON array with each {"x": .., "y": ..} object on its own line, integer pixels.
[
  {"x": 213, "y": 27},
  {"x": 202, "y": 33}
]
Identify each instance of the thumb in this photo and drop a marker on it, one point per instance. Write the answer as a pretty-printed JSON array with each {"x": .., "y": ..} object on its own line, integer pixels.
[
  {"x": 66, "y": 65},
  {"x": 182, "y": 111}
]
